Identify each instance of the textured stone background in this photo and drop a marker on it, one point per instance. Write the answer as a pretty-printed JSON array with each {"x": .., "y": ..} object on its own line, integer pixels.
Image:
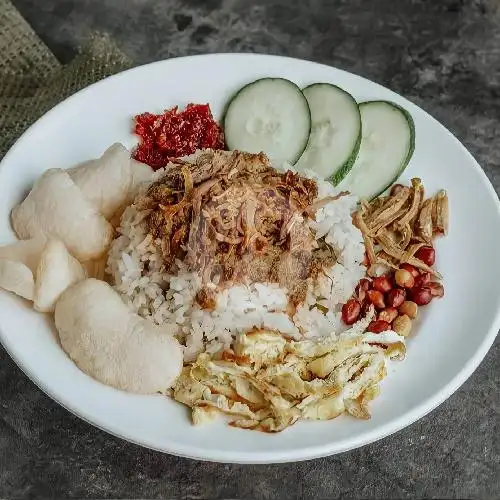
[{"x": 442, "y": 54}]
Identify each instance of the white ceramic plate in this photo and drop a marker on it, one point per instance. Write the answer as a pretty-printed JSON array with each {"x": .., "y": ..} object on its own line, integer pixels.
[{"x": 450, "y": 340}]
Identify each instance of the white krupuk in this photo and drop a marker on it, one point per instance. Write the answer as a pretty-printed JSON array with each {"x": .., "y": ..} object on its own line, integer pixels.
[
  {"x": 57, "y": 270},
  {"x": 17, "y": 278},
  {"x": 114, "y": 345},
  {"x": 111, "y": 181},
  {"x": 56, "y": 208},
  {"x": 26, "y": 252}
]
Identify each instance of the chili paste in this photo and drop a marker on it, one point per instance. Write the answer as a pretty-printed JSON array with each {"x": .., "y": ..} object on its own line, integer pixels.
[{"x": 174, "y": 134}]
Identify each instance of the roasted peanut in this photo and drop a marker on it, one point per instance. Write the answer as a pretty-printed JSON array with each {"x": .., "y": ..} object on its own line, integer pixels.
[
  {"x": 389, "y": 314},
  {"x": 412, "y": 269},
  {"x": 427, "y": 255},
  {"x": 422, "y": 280},
  {"x": 361, "y": 289},
  {"x": 378, "y": 326},
  {"x": 364, "y": 284},
  {"x": 350, "y": 311},
  {"x": 409, "y": 308},
  {"x": 404, "y": 278},
  {"x": 396, "y": 297},
  {"x": 421, "y": 295},
  {"x": 365, "y": 307},
  {"x": 402, "y": 325},
  {"x": 376, "y": 298},
  {"x": 382, "y": 284}
]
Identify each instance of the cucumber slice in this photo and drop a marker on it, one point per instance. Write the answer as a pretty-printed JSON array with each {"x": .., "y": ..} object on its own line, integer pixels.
[
  {"x": 335, "y": 134},
  {"x": 269, "y": 115},
  {"x": 387, "y": 146}
]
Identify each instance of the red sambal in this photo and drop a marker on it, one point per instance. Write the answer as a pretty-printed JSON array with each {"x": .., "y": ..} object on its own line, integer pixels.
[{"x": 174, "y": 134}]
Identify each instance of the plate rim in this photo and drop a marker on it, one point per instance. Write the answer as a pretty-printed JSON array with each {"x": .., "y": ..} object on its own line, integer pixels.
[{"x": 308, "y": 453}]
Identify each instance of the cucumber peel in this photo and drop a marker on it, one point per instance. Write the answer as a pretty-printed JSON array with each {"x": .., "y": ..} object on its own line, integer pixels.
[{"x": 387, "y": 145}]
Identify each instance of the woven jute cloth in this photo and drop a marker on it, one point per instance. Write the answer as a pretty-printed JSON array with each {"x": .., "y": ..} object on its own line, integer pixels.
[{"x": 32, "y": 80}]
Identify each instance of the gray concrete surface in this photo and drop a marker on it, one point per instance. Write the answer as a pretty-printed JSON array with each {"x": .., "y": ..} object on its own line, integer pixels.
[{"x": 442, "y": 54}]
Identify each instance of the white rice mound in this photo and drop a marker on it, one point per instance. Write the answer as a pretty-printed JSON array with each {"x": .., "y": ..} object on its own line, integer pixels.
[{"x": 169, "y": 300}]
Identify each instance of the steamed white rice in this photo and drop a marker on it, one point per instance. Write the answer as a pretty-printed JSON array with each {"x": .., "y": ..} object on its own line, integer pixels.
[{"x": 170, "y": 299}]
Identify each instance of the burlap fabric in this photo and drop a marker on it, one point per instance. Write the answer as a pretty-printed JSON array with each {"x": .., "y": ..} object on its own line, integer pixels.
[{"x": 32, "y": 80}]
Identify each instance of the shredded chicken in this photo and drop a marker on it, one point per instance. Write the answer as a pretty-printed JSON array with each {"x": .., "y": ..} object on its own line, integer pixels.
[{"x": 231, "y": 217}]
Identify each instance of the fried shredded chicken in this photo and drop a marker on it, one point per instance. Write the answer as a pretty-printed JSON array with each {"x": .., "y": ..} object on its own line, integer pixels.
[
  {"x": 231, "y": 217},
  {"x": 395, "y": 227}
]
